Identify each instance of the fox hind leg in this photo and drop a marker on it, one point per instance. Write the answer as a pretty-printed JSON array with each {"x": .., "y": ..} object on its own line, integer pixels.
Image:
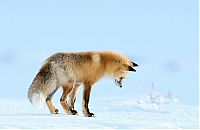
[
  {"x": 72, "y": 96},
  {"x": 49, "y": 103},
  {"x": 63, "y": 100},
  {"x": 51, "y": 107}
]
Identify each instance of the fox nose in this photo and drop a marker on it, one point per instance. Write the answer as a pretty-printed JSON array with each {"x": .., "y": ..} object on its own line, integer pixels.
[{"x": 134, "y": 64}]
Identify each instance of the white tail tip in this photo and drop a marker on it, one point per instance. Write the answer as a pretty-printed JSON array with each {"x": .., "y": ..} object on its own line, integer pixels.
[{"x": 38, "y": 100}]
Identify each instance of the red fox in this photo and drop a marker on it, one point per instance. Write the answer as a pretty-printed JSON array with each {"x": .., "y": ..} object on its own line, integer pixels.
[{"x": 69, "y": 71}]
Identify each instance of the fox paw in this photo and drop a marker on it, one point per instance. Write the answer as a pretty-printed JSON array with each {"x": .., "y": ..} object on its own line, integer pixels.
[
  {"x": 89, "y": 115},
  {"x": 56, "y": 111},
  {"x": 74, "y": 112}
]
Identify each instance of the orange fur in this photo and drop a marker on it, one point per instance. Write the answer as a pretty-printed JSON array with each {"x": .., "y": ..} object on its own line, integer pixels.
[{"x": 70, "y": 70}]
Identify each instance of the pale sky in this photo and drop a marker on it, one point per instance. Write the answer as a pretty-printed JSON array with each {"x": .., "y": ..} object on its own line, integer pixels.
[{"x": 161, "y": 36}]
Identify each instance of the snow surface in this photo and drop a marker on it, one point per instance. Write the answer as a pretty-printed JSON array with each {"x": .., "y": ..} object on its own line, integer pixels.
[{"x": 147, "y": 111}]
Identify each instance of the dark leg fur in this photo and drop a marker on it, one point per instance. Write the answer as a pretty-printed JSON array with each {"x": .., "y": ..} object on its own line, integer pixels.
[{"x": 86, "y": 97}]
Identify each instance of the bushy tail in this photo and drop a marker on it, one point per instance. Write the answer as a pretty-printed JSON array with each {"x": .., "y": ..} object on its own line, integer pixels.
[
  {"x": 42, "y": 86},
  {"x": 38, "y": 99}
]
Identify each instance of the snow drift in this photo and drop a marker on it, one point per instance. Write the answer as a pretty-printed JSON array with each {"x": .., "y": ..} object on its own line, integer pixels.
[{"x": 148, "y": 111}]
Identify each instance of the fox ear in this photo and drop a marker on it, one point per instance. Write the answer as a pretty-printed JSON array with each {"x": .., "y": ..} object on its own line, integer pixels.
[
  {"x": 130, "y": 68},
  {"x": 134, "y": 64},
  {"x": 126, "y": 67}
]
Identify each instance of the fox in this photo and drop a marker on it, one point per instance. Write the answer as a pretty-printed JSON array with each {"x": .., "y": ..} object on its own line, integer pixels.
[{"x": 70, "y": 70}]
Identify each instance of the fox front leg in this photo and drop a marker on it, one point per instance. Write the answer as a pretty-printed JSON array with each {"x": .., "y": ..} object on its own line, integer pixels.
[{"x": 86, "y": 96}]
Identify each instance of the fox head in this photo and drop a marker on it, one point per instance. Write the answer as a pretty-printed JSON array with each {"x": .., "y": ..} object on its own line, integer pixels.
[
  {"x": 117, "y": 66},
  {"x": 121, "y": 71}
]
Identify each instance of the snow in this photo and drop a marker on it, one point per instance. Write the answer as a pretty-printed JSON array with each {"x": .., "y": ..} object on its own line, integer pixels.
[
  {"x": 145, "y": 111},
  {"x": 161, "y": 36}
]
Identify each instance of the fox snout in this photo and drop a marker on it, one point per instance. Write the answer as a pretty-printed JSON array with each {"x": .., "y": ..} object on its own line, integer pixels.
[{"x": 118, "y": 82}]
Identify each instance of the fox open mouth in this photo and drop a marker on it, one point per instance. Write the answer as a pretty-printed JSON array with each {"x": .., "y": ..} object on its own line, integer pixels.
[{"x": 118, "y": 82}]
